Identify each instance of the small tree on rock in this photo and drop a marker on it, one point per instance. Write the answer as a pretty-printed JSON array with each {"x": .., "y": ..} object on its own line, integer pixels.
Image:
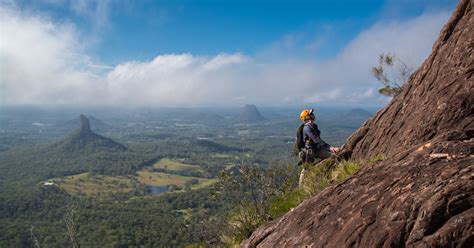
[{"x": 392, "y": 72}]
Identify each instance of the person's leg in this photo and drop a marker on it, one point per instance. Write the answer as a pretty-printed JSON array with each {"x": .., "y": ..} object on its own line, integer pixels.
[
  {"x": 309, "y": 155},
  {"x": 303, "y": 171},
  {"x": 324, "y": 153}
]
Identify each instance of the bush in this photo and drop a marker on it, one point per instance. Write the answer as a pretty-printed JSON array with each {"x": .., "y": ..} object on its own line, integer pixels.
[
  {"x": 392, "y": 72},
  {"x": 280, "y": 205},
  {"x": 268, "y": 193}
]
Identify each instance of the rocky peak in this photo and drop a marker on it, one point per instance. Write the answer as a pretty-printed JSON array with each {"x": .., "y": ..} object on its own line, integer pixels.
[
  {"x": 85, "y": 124},
  {"x": 84, "y": 137},
  {"x": 422, "y": 194}
]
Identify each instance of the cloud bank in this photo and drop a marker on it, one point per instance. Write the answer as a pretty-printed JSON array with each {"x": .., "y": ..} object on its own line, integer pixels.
[{"x": 43, "y": 62}]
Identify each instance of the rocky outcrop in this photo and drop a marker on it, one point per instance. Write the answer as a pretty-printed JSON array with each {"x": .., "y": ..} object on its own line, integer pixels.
[
  {"x": 74, "y": 123},
  {"x": 422, "y": 195},
  {"x": 85, "y": 124},
  {"x": 84, "y": 139}
]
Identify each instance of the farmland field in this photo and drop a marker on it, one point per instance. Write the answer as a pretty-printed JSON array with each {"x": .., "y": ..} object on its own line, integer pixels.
[{"x": 162, "y": 179}]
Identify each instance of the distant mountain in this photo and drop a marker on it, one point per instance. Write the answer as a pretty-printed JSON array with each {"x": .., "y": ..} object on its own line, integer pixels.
[
  {"x": 358, "y": 113},
  {"x": 249, "y": 113},
  {"x": 84, "y": 138}
]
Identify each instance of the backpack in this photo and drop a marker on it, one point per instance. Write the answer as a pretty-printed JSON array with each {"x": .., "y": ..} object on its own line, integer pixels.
[{"x": 299, "y": 142}]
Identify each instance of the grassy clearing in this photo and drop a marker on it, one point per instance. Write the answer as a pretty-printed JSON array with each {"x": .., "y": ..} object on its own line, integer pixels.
[
  {"x": 86, "y": 184},
  {"x": 163, "y": 179},
  {"x": 176, "y": 166}
]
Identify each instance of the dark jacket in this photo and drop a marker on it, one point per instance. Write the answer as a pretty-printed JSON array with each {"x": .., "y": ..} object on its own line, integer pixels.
[{"x": 311, "y": 137}]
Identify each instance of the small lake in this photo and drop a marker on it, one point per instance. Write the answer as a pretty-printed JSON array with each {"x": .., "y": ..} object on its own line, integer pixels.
[{"x": 156, "y": 190}]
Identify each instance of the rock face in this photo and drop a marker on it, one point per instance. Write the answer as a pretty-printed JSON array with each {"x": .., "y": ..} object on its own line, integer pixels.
[
  {"x": 438, "y": 97},
  {"x": 422, "y": 195},
  {"x": 249, "y": 113}
]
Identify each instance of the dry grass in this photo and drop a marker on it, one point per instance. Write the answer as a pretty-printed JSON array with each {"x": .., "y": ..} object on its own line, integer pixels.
[
  {"x": 176, "y": 166},
  {"x": 161, "y": 178}
]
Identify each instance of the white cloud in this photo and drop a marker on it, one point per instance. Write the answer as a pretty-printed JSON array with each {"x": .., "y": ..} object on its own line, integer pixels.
[
  {"x": 40, "y": 61},
  {"x": 43, "y": 62}
]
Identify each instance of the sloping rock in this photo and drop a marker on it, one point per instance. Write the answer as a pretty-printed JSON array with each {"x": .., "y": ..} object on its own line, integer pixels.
[
  {"x": 437, "y": 99},
  {"x": 422, "y": 195}
]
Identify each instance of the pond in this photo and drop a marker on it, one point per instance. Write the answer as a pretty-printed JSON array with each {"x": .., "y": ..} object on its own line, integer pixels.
[{"x": 156, "y": 190}]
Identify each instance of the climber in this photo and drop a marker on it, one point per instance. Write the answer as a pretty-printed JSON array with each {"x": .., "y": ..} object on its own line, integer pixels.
[{"x": 309, "y": 143}]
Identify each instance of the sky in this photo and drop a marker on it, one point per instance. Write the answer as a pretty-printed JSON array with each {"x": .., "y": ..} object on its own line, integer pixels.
[{"x": 208, "y": 53}]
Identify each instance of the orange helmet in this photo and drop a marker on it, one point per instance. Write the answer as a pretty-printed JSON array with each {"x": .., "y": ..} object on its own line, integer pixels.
[{"x": 306, "y": 114}]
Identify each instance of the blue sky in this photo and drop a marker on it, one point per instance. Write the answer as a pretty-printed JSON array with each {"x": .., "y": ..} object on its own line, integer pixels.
[{"x": 145, "y": 48}]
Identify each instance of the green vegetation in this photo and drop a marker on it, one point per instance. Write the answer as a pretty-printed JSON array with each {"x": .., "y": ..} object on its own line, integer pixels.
[
  {"x": 280, "y": 205},
  {"x": 331, "y": 171},
  {"x": 392, "y": 72},
  {"x": 230, "y": 178},
  {"x": 259, "y": 190},
  {"x": 344, "y": 170}
]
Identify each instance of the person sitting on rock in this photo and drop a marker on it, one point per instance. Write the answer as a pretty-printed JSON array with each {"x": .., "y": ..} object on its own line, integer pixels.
[{"x": 314, "y": 146}]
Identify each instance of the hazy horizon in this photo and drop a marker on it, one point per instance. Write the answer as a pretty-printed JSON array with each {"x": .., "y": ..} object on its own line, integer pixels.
[{"x": 180, "y": 54}]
